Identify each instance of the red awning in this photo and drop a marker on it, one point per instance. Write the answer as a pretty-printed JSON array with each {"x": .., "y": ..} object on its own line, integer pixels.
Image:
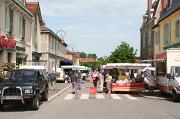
[{"x": 161, "y": 56}]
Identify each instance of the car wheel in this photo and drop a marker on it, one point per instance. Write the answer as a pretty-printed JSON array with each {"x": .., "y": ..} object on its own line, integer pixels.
[
  {"x": 45, "y": 95},
  {"x": 35, "y": 102},
  {"x": 1, "y": 107},
  {"x": 174, "y": 96}
]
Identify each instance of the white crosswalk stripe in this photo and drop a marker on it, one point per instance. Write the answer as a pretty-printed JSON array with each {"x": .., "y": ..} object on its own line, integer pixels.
[
  {"x": 84, "y": 96},
  {"x": 69, "y": 97},
  {"x": 100, "y": 96},
  {"x": 115, "y": 97},
  {"x": 130, "y": 97}
]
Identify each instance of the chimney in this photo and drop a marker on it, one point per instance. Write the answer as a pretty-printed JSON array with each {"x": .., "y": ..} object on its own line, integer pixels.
[{"x": 149, "y": 4}]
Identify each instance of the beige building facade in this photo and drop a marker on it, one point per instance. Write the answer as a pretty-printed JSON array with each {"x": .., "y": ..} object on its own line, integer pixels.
[
  {"x": 16, "y": 21},
  {"x": 53, "y": 48}
]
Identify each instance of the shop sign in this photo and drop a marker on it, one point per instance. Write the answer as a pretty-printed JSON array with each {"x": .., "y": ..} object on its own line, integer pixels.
[
  {"x": 161, "y": 55},
  {"x": 7, "y": 42}
]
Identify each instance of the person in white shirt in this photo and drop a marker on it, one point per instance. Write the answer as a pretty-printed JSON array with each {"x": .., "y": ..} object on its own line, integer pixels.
[{"x": 152, "y": 82}]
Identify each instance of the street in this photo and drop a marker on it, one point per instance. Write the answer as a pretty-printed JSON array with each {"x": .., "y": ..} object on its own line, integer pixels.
[{"x": 95, "y": 106}]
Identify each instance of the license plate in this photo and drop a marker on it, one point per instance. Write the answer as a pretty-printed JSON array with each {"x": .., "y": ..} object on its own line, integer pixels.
[{"x": 11, "y": 97}]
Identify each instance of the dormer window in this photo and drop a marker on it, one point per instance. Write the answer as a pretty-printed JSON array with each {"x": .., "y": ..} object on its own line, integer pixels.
[{"x": 169, "y": 3}]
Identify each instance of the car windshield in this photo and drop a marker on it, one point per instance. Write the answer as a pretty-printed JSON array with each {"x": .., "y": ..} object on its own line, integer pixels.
[
  {"x": 177, "y": 69},
  {"x": 21, "y": 75}
]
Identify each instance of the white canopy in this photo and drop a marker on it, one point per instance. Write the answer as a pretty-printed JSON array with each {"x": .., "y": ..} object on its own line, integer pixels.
[
  {"x": 73, "y": 66},
  {"x": 126, "y": 65}
]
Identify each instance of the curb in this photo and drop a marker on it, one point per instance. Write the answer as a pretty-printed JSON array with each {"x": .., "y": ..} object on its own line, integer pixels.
[
  {"x": 153, "y": 97},
  {"x": 57, "y": 94}
]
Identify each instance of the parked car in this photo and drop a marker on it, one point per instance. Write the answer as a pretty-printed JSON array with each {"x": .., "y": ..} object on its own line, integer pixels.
[{"x": 24, "y": 86}]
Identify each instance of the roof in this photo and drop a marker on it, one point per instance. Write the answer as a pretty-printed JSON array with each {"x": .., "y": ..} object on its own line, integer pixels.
[
  {"x": 22, "y": 7},
  {"x": 34, "y": 7},
  {"x": 168, "y": 11},
  {"x": 45, "y": 29},
  {"x": 83, "y": 60}
]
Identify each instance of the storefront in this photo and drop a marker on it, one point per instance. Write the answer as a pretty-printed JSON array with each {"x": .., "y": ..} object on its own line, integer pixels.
[{"x": 7, "y": 49}]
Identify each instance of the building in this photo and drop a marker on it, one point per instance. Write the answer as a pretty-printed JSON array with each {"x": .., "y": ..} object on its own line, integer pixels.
[
  {"x": 15, "y": 25},
  {"x": 87, "y": 60},
  {"x": 150, "y": 19},
  {"x": 53, "y": 48},
  {"x": 34, "y": 7},
  {"x": 168, "y": 28},
  {"x": 74, "y": 57}
]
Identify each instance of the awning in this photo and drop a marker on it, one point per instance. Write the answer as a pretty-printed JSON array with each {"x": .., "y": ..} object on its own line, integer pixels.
[
  {"x": 161, "y": 56},
  {"x": 23, "y": 56},
  {"x": 67, "y": 61}
]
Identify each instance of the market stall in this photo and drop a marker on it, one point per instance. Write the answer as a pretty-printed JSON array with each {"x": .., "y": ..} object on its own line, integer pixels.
[{"x": 127, "y": 77}]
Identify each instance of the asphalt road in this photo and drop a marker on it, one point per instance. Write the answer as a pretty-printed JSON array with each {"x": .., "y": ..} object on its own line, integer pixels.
[{"x": 101, "y": 106}]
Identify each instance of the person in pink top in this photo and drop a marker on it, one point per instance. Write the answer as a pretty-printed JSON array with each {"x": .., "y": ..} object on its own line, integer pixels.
[{"x": 95, "y": 78}]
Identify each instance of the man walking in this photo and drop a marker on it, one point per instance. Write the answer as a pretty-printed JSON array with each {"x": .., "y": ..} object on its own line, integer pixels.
[
  {"x": 52, "y": 77},
  {"x": 152, "y": 83}
]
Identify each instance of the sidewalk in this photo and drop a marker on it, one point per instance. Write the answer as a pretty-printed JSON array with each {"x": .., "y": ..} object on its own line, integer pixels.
[{"x": 58, "y": 87}]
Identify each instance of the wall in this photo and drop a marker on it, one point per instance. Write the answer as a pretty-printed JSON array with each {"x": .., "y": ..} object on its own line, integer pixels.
[{"x": 172, "y": 20}]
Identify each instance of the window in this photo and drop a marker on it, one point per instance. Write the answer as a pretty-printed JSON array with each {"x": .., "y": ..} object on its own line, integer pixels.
[
  {"x": 23, "y": 29},
  {"x": 7, "y": 19},
  {"x": 169, "y": 2},
  {"x": 11, "y": 21},
  {"x": 178, "y": 28},
  {"x": 156, "y": 37},
  {"x": 144, "y": 40},
  {"x": 149, "y": 37},
  {"x": 166, "y": 33},
  {"x": 9, "y": 57}
]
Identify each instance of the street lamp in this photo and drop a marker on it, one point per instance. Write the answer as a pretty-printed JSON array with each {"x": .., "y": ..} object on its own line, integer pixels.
[{"x": 62, "y": 35}]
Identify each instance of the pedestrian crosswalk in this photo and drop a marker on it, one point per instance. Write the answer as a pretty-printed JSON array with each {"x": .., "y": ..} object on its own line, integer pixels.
[{"x": 101, "y": 96}]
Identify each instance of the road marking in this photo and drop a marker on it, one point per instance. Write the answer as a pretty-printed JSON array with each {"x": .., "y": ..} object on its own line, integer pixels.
[
  {"x": 130, "y": 97},
  {"x": 84, "y": 96},
  {"x": 69, "y": 97},
  {"x": 100, "y": 96},
  {"x": 115, "y": 97}
]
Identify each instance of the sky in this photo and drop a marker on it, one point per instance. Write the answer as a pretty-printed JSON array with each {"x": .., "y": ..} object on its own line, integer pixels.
[{"x": 95, "y": 26}]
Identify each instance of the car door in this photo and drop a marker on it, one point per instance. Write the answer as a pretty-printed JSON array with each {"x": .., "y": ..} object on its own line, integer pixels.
[{"x": 40, "y": 81}]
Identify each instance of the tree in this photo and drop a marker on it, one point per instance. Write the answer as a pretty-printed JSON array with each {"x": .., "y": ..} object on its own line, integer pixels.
[
  {"x": 123, "y": 54},
  {"x": 92, "y": 56},
  {"x": 103, "y": 60},
  {"x": 83, "y": 55}
]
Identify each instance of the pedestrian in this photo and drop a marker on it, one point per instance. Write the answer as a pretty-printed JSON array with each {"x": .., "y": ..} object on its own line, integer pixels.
[
  {"x": 152, "y": 83},
  {"x": 95, "y": 78},
  {"x": 101, "y": 81},
  {"x": 73, "y": 81},
  {"x": 108, "y": 82},
  {"x": 52, "y": 77},
  {"x": 79, "y": 80}
]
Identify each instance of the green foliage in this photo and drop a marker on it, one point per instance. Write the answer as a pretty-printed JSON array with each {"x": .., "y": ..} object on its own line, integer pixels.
[
  {"x": 83, "y": 55},
  {"x": 92, "y": 56},
  {"x": 123, "y": 54},
  {"x": 103, "y": 60},
  {"x": 93, "y": 65}
]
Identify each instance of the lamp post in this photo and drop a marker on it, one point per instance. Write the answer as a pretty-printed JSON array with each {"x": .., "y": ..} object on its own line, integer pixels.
[{"x": 62, "y": 35}]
